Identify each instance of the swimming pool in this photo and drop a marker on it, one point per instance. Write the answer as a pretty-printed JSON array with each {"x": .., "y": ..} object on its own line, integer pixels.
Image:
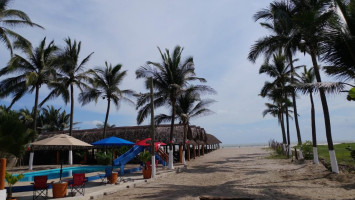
[{"x": 67, "y": 172}]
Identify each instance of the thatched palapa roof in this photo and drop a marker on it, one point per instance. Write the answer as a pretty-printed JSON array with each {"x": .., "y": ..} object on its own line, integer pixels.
[{"x": 195, "y": 135}]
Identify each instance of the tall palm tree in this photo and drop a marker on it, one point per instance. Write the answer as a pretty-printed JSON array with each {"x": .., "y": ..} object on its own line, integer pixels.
[
  {"x": 170, "y": 77},
  {"x": 105, "y": 83},
  {"x": 189, "y": 105},
  {"x": 312, "y": 20},
  {"x": 308, "y": 77},
  {"x": 306, "y": 84},
  {"x": 30, "y": 73},
  {"x": 280, "y": 15},
  {"x": 279, "y": 88},
  {"x": 11, "y": 18},
  {"x": 71, "y": 72}
]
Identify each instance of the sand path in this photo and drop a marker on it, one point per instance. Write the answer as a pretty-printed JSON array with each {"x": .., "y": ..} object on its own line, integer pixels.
[{"x": 246, "y": 173}]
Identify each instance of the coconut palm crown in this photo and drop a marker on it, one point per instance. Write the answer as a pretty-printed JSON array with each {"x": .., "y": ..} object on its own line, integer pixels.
[
  {"x": 71, "y": 73},
  {"x": 30, "y": 73},
  {"x": 170, "y": 77},
  {"x": 12, "y": 18},
  {"x": 105, "y": 83}
]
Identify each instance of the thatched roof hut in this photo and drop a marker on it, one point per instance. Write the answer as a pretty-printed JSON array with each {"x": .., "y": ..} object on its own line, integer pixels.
[{"x": 195, "y": 135}]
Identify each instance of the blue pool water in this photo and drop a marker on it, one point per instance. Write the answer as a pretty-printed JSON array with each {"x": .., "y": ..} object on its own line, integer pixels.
[{"x": 67, "y": 172}]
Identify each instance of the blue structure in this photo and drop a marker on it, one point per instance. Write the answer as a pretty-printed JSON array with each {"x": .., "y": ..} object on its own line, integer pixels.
[{"x": 126, "y": 157}]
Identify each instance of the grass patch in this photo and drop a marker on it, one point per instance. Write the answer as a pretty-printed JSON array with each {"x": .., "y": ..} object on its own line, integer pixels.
[
  {"x": 276, "y": 156},
  {"x": 342, "y": 154}
]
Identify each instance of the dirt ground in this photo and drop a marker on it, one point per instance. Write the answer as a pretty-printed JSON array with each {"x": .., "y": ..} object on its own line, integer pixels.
[{"x": 246, "y": 173}]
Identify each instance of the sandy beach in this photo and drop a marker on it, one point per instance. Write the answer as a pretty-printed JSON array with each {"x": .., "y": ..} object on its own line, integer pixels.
[{"x": 245, "y": 173}]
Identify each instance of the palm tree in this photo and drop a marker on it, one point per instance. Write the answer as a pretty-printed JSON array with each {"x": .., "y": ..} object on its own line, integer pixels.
[
  {"x": 280, "y": 14},
  {"x": 189, "y": 105},
  {"x": 71, "y": 72},
  {"x": 26, "y": 117},
  {"x": 278, "y": 88},
  {"x": 308, "y": 77},
  {"x": 276, "y": 110},
  {"x": 52, "y": 119},
  {"x": 340, "y": 45},
  {"x": 170, "y": 77},
  {"x": 11, "y": 18},
  {"x": 306, "y": 84},
  {"x": 312, "y": 20},
  {"x": 105, "y": 83},
  {"x": 30, "y": 73}
]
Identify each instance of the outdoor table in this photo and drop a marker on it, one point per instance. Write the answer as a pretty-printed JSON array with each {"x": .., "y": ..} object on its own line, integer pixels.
[{"x": 59, "y": 189}]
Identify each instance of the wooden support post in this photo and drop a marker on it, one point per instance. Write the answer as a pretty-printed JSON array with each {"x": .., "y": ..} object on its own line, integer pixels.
[
  {"x": 2, "y": 173},
  {"x": 180, "y": 153},
  {"x": 188, "y": 152},
  {"x": 199, "y": 150},
  {"x": 203, "y": 149},
  {"x": 193, "y": 146}
]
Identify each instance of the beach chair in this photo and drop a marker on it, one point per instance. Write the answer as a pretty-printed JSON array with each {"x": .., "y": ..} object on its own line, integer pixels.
[
  {"x": 78, "y": 183},
  {"x": 105, "y": 177},
  {"x": 40, "y": 187}
]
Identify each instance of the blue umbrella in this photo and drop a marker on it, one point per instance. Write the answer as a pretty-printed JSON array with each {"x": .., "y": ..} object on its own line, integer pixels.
[{"x": 112, "y": 141}]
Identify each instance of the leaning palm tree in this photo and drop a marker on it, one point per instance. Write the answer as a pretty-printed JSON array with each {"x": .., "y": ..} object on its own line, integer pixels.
[
  {"x": 189, "y": 105},
  {"x": 71, "y": 72},
  {"x": 105, "y": 83},
  {"x": 312, "y": 20},
  {"x": 11, "y": 18},
  {"x": 306, "y": 84},
  {"x": 30, "y": 73},
  {"x": 170, "y": 77},
  {"x": 278, "y": 19}
]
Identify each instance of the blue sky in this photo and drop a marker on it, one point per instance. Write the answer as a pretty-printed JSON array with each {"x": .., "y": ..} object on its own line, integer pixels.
[{"x": 218, "y": 34}]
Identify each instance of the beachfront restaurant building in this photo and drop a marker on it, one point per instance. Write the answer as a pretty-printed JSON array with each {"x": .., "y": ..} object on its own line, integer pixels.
[{"x": 198, "y": 141}]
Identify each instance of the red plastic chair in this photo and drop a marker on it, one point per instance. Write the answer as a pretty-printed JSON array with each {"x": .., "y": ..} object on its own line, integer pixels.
[
  {"x": 78, "y": 183},
  {"x": 40, "y": 186}
]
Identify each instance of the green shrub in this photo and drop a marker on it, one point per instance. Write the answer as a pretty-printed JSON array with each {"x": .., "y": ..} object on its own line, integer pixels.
[
  {"x": 279, "y": 150},
  {"x": 307, "y": 150},
  {"x": 104, "y": 159}
]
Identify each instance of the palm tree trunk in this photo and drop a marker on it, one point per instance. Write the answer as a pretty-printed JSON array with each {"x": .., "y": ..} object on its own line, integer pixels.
[
  {"x": 35, "y": 110},
  {"x": 106, "y": 117},
  {"x": 71, "y": 108},
  {"x": 295, "y": 114},
  {"x": 283, "y": 131},
  {"x": 184, "y": 140},
  {"x": 71, "y": 120},
  {"x": 171, "y": 159},
  {"x": 328, "y": 131},
  {"x": 314, "y": 135},
  {"x": 288, "y": 134}
]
